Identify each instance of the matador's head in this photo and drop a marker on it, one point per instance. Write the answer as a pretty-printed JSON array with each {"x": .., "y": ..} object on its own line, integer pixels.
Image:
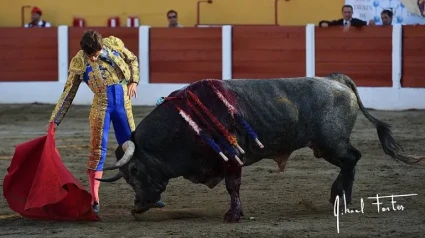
[{"x": 91, "y": 44}]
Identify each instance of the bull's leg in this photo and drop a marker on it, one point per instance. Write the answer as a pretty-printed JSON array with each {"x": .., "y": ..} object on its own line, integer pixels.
[
  {"x": 343, "y": 185},
  {"x": 233, "y": 183}
]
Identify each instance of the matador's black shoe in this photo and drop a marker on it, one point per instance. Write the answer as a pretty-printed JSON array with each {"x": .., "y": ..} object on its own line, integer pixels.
[{"x": 96, "y": 207}]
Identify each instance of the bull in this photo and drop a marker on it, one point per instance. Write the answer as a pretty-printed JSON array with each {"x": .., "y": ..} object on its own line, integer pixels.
[{"x": 285, "y": 114}]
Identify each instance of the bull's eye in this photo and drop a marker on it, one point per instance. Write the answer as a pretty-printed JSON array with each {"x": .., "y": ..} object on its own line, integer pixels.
[{"x": 133, "y": 170}]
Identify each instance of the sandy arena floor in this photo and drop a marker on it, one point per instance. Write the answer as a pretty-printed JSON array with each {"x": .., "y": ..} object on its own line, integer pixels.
[{"x": 290, "y": 204}]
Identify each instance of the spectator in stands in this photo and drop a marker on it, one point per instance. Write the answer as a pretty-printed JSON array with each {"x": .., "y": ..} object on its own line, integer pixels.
[
  {"x": 387, "y": 17},
  {"x": 347, "y": 19},
  {"x": 172, "y": 19},
  {"x": 36, "y": 20}
]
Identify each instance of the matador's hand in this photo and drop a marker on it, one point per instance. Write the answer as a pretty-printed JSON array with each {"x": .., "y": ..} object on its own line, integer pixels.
[
  {"x": 48, "y": 125},
  {"x": 132, "y": 90}
]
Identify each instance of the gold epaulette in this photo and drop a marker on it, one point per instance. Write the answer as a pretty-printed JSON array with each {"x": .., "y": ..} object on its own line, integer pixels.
[
  {"x": 114, "y": 43},
  {"x": 78, "y": 63}
]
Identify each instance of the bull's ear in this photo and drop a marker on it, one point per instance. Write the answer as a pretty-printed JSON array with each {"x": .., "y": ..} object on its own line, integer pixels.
[{"x": 119, "y": 152}]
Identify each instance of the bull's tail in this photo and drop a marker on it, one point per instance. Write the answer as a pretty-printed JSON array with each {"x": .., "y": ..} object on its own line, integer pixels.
[{"x": 388, "y": 143}]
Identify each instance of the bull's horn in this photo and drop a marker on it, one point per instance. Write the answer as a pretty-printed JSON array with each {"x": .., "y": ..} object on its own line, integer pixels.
[
  {"x": 128, "y": 148},
  {"x": 111, "y": 179}
]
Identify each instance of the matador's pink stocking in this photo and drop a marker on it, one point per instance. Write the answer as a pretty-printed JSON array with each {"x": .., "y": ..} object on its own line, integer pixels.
[{"x": 94, "y": 185}]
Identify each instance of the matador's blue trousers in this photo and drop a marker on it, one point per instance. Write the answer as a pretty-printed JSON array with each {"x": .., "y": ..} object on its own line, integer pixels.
[{"x": 112, "y": 106}]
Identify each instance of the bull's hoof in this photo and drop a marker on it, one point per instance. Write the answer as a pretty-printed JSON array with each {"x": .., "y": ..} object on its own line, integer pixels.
[
  {"x": 337, "y": 191},
  {"x": 233, "y": 216}
]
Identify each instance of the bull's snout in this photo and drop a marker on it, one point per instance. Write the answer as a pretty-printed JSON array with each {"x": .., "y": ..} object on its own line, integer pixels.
[{"x": 143, "y": 206}]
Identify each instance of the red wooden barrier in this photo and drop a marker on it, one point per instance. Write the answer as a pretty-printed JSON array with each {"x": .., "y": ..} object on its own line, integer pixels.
[
  {"x": 268, "y": 51},
  {"x": 364, "y": 54},
  {"x": 413, "y": 67},
  {"x": 184, "y": 55},
  {"x": 28, "y": 54}
]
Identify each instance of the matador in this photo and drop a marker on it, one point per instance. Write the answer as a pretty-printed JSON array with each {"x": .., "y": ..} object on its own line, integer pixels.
[{"x": 111, "y": 71}]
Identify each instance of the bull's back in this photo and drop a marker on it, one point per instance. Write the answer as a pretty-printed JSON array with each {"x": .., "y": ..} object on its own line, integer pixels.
[
  {"x": 288, "y": 112},
  {"x": 271, "y": 110},
  {"x": 284, "y": 113}
]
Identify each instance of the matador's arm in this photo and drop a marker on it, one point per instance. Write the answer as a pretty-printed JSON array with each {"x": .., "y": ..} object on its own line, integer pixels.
[
  {"x": 129, "y": 57},
  {"x": 76, "y": 71}
]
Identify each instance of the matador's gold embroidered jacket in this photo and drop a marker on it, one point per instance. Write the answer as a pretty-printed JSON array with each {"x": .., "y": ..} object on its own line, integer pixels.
[{"x": 124, "y": 60}]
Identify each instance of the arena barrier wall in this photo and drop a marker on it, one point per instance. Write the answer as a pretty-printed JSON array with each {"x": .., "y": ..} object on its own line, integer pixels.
[{"x": 385, "y": 62}]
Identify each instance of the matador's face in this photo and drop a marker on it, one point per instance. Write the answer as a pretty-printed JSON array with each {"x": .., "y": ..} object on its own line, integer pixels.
[{"x": 93, "y": 57}]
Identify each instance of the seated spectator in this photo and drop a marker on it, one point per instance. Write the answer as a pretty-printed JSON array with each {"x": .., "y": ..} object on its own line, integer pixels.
[
  {"x": 387, "y": 17},
  {"x": 172, "y": 19},
  {"x": 347, "y": 19},
  {"x": 36, "y": 20}
]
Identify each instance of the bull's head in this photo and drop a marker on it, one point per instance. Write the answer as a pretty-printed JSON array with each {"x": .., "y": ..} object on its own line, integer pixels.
[{"x": 137, "y": 174}]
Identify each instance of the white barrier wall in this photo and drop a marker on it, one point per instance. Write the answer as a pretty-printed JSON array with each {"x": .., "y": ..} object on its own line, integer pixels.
[{"x": 380, "y": 98}]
